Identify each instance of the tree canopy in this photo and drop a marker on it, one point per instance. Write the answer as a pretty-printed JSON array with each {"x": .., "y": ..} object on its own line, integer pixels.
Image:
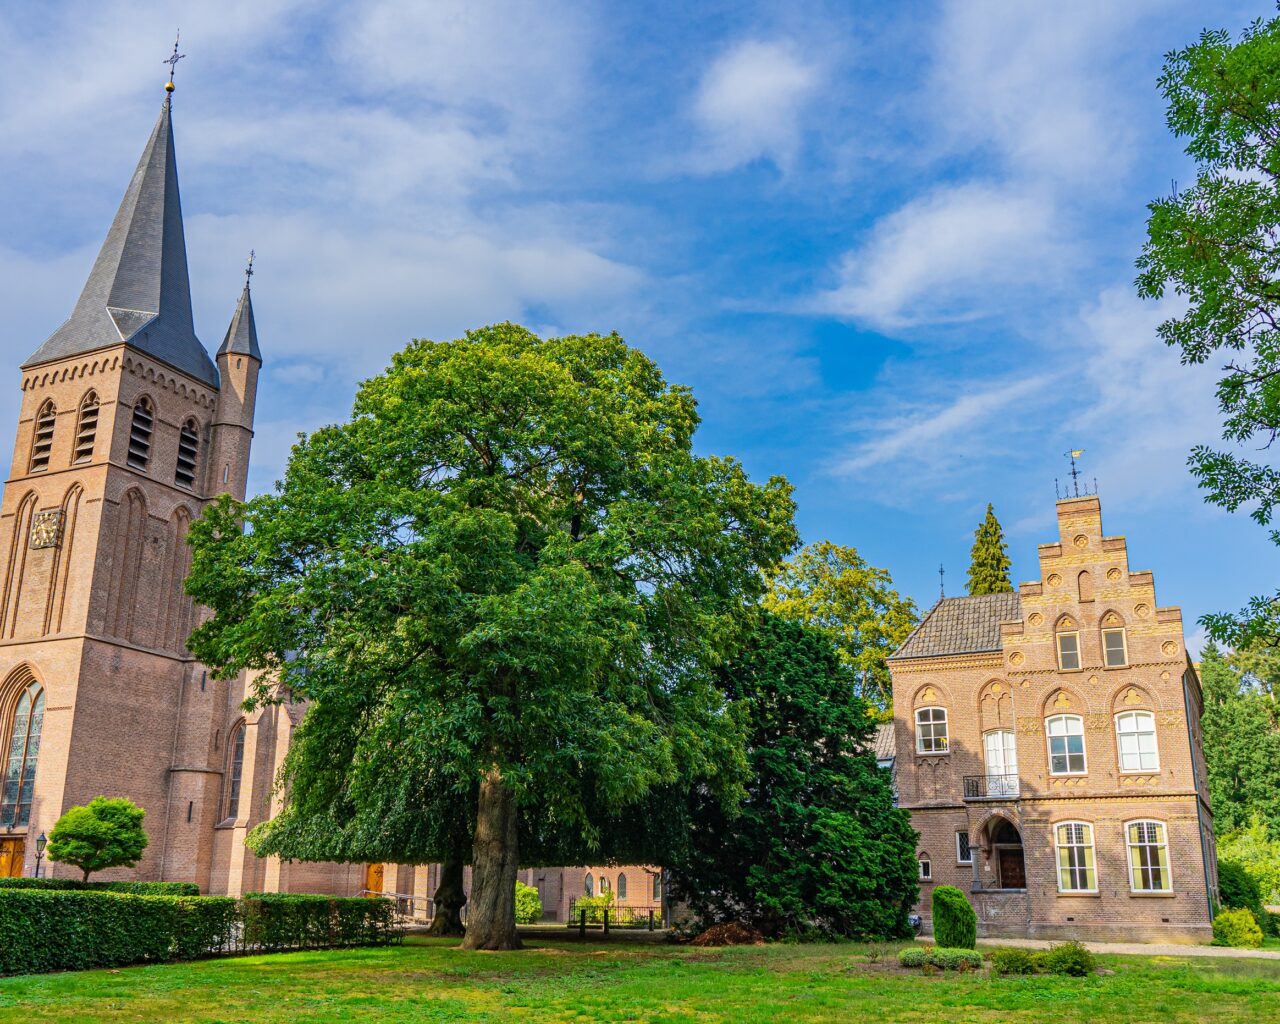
[
  {"x": 512, "y": 554},
  {"x": 989, "y": 560},
  {"x": 831, "y": 588},
  {"x": 1215, "y": 244},
  {"x": 107, "y": 833},
  {"x": 818, "y": 845}
]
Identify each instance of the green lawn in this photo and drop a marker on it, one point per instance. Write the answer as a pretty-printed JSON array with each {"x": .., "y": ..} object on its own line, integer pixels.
[{"x": 563, "y": 981}]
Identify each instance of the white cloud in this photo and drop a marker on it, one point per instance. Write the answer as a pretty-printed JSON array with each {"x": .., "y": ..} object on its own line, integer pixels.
[
  {"x": 957, "y": 253},
  {"x": 750, "y": 105}
]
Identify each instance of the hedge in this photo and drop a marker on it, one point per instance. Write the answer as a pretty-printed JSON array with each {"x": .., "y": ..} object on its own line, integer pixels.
[
  {"x": 941, "y": 957},
  {"x": 51, "y": 930},
  {"x": 955, "y": 925},
  {"x": 132, "y": 888}
]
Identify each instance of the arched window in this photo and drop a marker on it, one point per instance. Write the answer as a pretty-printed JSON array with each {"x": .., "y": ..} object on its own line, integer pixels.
[
  {"x": 604, "y": 884},
  {"x": 931, "y": 730},
  {"x": 926, "y": 868},
  {"x": 42, "y": 441},
  {"x": 657, "y": 888},
  {"x": 1136, "y": 738},
  {"x": 1076, "y": 871},
  {"x": 20, "y": 765},
  {"x": 234, "y": 772},
  {"x": 1084, "y": 586},
  {"x": 188, "y": 450},
  {"x": 622, "y": 887},
  {"x": 588, "y": 887},
  {"x": 1066, "y": 744},
  {"x": 86, "y": 429},
  {"x": 1148, "y": 857},
  {"x": 144, "y": 419}
]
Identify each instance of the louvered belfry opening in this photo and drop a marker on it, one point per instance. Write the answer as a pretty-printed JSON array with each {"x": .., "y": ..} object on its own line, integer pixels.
[
  {"x": 42, "y": 445},
  {"x": 87, "y": 431},
  {"x": 140, "y": 434},
  {"x": 188, "y": 449}
]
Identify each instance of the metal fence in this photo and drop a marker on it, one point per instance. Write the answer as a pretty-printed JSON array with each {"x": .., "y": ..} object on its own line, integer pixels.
[
  {"x": 588, "y": 912},
  {"x": 990, "y": 787}
]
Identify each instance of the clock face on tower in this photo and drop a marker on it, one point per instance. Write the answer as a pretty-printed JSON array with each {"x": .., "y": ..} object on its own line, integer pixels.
[{"x": 46, "y": 528}]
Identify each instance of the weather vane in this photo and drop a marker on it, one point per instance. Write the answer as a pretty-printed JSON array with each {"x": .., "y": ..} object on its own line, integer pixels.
[
  {"x": 1074, "y": 454},
  {"x": 248, "y": 270},
  {"x": 172, "y": 61},
  {"x": 942, "y": 582}
]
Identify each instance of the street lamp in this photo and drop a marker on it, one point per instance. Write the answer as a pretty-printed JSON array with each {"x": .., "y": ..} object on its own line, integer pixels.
[{"x": 40, "y": 845}]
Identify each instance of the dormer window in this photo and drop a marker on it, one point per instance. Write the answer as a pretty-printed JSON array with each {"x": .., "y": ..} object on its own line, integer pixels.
[
  {"x": 86, "y": 430},
  {"x": 140, "y": 434},
  {"x": 42, "y": 442},
  {"x": 188, "y": 450},
  {"x": 1068, "y": 651}
]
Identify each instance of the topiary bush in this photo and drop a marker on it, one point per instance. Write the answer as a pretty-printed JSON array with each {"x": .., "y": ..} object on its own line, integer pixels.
[
  {"x": 912, "y": 956},
  {"x": 528, "y": 904},
  {"x": 132, "y": 888},
  {"x": 1012, "y": 961},
  {"x": 106, "y": 833},
  {"x": 1068, "y": 958},
  {"x": 940, "y": 957},
  {"x": 1236, "y": 927},
  {"x": 955, "y": 925}
]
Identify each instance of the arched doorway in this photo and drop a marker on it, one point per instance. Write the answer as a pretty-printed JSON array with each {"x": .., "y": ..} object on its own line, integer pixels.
[{"x": 1006, "y": 854}]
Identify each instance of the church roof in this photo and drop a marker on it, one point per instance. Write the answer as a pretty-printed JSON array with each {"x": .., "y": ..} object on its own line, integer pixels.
[
  {"x": 242, "y": 335},
  {"x": 138, "y": 291},
  {"x": 961, "y": 625}
]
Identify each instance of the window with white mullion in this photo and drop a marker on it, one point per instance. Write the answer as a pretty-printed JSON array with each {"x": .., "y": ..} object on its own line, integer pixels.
[{"x": 1136, "y": 740}]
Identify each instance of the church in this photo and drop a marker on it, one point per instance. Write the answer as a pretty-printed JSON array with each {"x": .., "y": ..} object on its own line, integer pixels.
[{"x": 127, "y": 430}]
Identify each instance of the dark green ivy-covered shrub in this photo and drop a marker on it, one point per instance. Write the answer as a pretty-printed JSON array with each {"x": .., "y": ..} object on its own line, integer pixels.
[
  {"x": 132, "y": 888},
  {"x": 1236, "y": 927},
  {"x": 955, "y": 925},
  {"x": 1237, "y": 888}
]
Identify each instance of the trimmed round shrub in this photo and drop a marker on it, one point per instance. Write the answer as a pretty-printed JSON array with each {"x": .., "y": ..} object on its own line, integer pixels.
[
  {"x": 1068, "y": 958},
  {"x": 955, "y": 959},
  {"x": 1012, "y": 961},
  {"x": 1236, "y": 927},
  {"x": 913, "y": 956},
  {"x": 955, "y": 925},
  {"x": 528, "y": 904}
]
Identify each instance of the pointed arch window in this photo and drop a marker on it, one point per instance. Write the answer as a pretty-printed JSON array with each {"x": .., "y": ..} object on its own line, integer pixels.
[
  {"x": 21, "y": 754},
  {"x": 86, "y": 429},
  {"x": 144, "y": 421},
  {"x": 588, "y": 889},
  {"x": 234, "y": 773},
  {"x": 622, "y": 887},
  {"x": 42, "y": 441},
  {"x": 188, "y": 451}
]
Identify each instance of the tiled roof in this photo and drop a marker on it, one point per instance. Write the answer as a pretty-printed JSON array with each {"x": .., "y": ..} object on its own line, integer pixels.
[
  {"x": 961, "y": 625},
  {"x": 886, "y": 745}
]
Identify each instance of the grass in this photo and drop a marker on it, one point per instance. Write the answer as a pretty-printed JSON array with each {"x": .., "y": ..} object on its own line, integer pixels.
[{"x": 562, "y": 981}]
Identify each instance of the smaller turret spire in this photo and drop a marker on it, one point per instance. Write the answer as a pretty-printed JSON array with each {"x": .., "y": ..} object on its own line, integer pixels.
[{"x": 242, "y": 335}]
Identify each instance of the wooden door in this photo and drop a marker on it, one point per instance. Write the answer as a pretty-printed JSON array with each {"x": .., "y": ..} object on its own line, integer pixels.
[
  {"x": 12, "y": 854},
  {"x": 373, "y": 878},
  {"x": 1013, "y": 870}
]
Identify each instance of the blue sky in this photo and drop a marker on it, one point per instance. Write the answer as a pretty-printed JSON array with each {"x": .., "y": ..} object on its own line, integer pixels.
[{"x": 889, "y": 245}]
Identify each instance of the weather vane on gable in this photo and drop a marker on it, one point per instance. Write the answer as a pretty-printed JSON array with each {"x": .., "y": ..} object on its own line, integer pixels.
[
  {"x": 172, "y": 61},
  {"x": 1074, "y": 454}
]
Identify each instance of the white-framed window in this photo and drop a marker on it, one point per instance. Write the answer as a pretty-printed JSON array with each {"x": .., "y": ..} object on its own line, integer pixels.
[
  {"x": 1136, "y": 740},
  {"x": 1115, "y": 652},
  {"x": 1076, "y": 869},
  {"x": 1068, "y": 651},
  {"x": 926, "y": 869},
  {"x": 931, "y": 731},
  {"x": 964, "y": 853},
  {"x": 1148, "y": 857},
  {"x": 1065, "y": 734}
]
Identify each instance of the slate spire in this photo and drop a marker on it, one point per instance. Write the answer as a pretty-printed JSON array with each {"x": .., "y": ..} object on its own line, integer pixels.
[
  {"x": 139, "y": 291},
  {"x": 242, "y": 335}
]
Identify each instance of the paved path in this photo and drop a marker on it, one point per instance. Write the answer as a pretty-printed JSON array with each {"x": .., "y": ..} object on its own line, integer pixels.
[{"x": 1145, "y": 949}]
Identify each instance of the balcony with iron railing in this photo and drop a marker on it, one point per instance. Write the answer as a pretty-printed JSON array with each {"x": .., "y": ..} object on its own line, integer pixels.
[{"x": 991, "y": 787}]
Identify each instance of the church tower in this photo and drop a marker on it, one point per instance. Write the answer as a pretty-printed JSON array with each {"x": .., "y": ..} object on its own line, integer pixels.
[{"x": 127, "y": 429}]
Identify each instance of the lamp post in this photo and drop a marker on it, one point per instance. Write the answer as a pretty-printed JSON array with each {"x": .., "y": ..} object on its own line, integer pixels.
[{"x": 40, "y": 845}]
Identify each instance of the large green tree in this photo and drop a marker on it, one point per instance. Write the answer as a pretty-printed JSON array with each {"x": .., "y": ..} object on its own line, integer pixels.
[
  {"x": 833, "y": 589},
  {"x": 514, "y": 538},
  {"x": 1214, "y": 243},
  {"x": 818, "y": 844},
  {"x": 989, "y": 560},
  {"x": 105, "y": 833},
  {"x": 1241, "y": 740}
]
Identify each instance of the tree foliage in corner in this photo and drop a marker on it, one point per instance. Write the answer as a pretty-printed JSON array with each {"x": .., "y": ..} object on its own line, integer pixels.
[
  {"x": 831, "y": 588},
  {"x": 989, "y": 560},
  {"x": 1217, "y": 244},
  {"x": 818, "y": 845},
  {"x": 107, "y": 833},
  {"x": 513, "y": 545}
]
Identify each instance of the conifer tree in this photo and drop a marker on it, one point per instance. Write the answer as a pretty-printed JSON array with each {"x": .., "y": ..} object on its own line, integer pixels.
[{"x": 988, "y": 562}]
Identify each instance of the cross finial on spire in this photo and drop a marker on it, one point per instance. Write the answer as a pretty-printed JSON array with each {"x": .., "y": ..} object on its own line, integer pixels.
[
  {"x": 942, "y": 582},
  {"x": 248, "y": 269},
  {"x": 172, "y": 61}
]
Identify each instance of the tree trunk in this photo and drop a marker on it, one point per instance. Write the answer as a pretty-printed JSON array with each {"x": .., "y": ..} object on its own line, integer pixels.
[
  {"x": 86, "y": 874},
  {"x": 449, "y": 898},
  {"x": 491, "y": 919}
]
